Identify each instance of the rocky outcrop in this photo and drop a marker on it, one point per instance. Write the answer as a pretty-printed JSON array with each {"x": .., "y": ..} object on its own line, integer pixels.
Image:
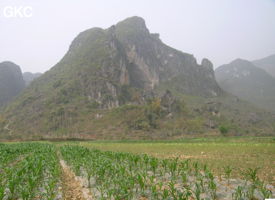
[
  {"x": 154, "y": 63},
  {"x": 11, "y": 81},
  {"x": 103, "y": 62}
]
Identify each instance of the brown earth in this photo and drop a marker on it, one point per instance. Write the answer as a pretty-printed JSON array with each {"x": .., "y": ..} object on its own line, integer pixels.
[{"x": 72, "y": 188}]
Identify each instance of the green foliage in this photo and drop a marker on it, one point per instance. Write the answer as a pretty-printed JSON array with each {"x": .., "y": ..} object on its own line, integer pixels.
[
  {"x": 180, "y": 106},
  {"x": 223, "y": 129},
  {"x": 239, "y": 193},
  {"x": 140, "y": 124},
  {"x": 251, "y": 173},
  {"x": 194, "y": 125},
  {"x": 93, "y": 105},
  {"x": 29, "y": 170},
  {"x": 151, "y": 112},
  {"x": 228, "y": 171}
]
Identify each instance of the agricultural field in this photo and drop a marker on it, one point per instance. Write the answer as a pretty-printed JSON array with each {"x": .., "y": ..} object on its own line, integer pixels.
[
  {"x": 29, "y": 171},
  {"x": 187, "y": 169},
  {"x": 240, "y": 153}
]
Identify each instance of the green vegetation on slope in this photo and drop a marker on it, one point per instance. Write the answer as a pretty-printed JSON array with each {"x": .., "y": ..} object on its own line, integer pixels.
[{"x": 123, "y": 82}]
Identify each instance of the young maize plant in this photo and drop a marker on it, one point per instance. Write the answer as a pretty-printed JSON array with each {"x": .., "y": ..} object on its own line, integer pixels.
[{"x": 228, "y": 171}]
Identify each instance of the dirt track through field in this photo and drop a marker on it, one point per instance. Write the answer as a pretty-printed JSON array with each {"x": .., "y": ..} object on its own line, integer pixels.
[{"x": 71, "y": 185}]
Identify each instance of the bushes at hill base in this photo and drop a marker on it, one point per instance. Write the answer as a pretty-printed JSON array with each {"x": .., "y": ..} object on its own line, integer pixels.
[
  {"x": 153, "y": 111},
  {"x": 224, "y": 129}
]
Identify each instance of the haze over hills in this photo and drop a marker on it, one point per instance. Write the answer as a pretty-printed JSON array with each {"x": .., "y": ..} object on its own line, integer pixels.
[
  {"x": 11, "y": 81},
  {"x": 267, "y": 63},
  {"x": 29, "y": 77},
  {"x": 243, "y": 79},
  {"x": 124, "y": 82}
]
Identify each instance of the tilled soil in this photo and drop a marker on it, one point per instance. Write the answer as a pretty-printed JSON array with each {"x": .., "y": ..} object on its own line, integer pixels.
[{"x": 71, "y": 186}]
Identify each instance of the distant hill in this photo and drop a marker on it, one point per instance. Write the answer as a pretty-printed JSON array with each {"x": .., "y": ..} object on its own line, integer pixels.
[
  {"x": 11, "y": 81},
  {"x": 243, "y": 79},
  {"x": 267, "y": 63},
  {"x": 29, "y": 77}
]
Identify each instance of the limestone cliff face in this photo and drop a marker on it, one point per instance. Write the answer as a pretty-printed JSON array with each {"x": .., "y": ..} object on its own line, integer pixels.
[
  {"x": 11, "y": 81},
  {"x": 153, "y": 62},
  {"x": 127, "y": 54}
]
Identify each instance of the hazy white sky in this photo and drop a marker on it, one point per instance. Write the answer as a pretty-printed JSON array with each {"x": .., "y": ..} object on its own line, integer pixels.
[{"x": 220, "y": 30}]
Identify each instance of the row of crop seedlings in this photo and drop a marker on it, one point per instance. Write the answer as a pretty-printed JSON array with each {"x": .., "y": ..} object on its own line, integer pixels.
[
  {"x": 32, "y": 173},
  {"x": 12, "y": 153},
  {"x": 111, "y": 175}
]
